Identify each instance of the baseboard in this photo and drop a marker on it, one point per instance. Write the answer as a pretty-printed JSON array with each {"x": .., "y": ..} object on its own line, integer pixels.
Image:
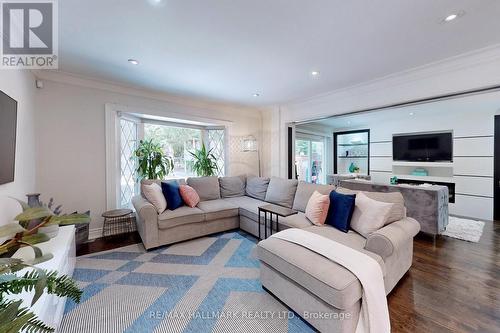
[{"x": 95, "y": 233}]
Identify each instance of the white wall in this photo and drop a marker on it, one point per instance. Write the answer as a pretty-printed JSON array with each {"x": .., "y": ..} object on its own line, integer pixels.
[
  {"x": 471, "y": 120},
  {"x": 19, "y": 85},
  {"x": 71, "y": 137}
]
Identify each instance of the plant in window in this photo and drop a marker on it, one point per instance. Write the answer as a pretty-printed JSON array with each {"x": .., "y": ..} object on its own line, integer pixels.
[
  {"x": 152, "y": 161},
  {"x": 205, "y": 163}
]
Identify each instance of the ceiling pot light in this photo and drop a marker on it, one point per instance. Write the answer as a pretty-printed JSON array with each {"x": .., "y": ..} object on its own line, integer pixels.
[
  {"x": 411, "y": 113},
  {"x": 452, "y": 16},
  {"x": 256, "y": 95},
  {"x": 133, "y": 61},
  {"x": 314, "y": 73}
]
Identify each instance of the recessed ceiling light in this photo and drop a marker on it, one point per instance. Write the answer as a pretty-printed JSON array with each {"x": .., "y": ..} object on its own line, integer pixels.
[
  {"x": 453, "y": 16},
  {"x": 349, "y": 122},
  {"x": 256, "y": 95},
  {"x": 314, "y": 73},
  {"x": 411, "y": 113},
  {"x": 133, "y": 61}
]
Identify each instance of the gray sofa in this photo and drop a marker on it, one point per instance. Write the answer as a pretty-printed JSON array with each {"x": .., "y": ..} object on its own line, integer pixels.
[{"x": 302, "y": 279}]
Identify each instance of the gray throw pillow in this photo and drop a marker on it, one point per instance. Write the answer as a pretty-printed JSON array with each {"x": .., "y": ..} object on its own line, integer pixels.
[
  {"x": 231, "y": 187},
  {"x": 206, "y": 187},
  {"x": 281, "y": 191},
  {"x": 257, "y": 187}
]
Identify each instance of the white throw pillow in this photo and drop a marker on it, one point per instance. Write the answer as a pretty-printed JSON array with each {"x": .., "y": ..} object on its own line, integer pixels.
[
  {"x": 369, "y": 215},
  {"x": 317, "y": 208},
  {"x": 154, "y": 195}
]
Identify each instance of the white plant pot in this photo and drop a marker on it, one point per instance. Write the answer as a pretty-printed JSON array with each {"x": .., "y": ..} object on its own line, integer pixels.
[{"x": 51, "y": 230}]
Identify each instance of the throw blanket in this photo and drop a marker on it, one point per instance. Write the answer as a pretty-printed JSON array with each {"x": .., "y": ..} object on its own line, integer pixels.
[{"x": 374, "y": 314}]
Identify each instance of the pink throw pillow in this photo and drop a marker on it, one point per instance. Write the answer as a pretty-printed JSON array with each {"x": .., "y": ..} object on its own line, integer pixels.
[
  {"x": 189, "y": 195},
  {"x": 317, "y": 208}
]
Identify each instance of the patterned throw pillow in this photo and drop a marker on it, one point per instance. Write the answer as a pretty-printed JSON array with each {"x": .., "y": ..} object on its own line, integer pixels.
[
  {"x": 189, "y": 195},
  {"x": 317, "y": 208},
  {"x": 154, "y": 195}
]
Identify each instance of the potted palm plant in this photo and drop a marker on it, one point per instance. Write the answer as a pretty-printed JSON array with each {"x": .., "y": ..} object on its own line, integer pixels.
[
  {"x": 152, "y": 161},
  {"x": 205, "y": 163}
]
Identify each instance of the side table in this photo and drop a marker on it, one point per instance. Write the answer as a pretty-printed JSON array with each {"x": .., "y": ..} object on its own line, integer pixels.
[
  {"x": 276, "y": 211},
  {"x": 118, "y": 221}
]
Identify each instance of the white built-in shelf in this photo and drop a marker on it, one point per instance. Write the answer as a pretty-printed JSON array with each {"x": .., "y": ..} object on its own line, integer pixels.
[
  {"x": 352, "y": 144},
  {"x": 426, "y": 178},
  {"x": 353, "y": 156},
  {"x": 423, "y": 164}
]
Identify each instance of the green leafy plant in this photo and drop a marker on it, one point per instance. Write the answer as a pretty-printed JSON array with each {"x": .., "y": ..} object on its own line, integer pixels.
[
  {"x": 13, "y": 316},
  {"x": 205, "y": 163},
  {"x": 152, "y": 161}
]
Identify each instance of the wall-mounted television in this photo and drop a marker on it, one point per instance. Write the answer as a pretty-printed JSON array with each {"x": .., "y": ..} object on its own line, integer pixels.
[
  {"x": 425, "y": 147},
  {"x": 8, "y": 124}
]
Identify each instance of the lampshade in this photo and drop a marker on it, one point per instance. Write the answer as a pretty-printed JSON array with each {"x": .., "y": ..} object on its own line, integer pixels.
[{"x": 249, "y": 143}]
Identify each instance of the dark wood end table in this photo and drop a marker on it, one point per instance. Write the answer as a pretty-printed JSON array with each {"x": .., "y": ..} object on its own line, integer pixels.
[{"x": 276, "y": 210}]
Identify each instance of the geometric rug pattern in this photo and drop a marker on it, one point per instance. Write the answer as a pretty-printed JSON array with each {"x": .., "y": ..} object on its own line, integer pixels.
[{"x": 209, "y": 284}]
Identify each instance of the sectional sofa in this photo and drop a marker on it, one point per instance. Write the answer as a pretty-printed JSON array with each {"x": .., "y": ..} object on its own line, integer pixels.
[{"x": 305, "y": 281}]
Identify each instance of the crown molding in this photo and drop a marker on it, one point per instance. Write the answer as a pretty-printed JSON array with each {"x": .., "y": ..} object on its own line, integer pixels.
[
  {"x": 114, "y": 87},
  {"x": 433, "y": 74}
]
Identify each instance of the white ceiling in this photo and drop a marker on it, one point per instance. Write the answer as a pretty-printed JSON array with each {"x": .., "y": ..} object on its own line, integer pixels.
[{"x": 226, "y": 50}]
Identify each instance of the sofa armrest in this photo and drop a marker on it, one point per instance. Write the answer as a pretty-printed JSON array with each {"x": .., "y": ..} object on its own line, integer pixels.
[
  {"x": 391, "y": 237},
  {"x": 147, "y": 221}
]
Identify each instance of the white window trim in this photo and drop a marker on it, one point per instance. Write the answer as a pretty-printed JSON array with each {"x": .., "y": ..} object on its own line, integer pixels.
[{"x": 112, "y": 123}]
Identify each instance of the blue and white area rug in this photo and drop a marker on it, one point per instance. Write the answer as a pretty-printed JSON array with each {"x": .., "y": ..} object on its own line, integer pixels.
[{"x": 210, "y": 284}]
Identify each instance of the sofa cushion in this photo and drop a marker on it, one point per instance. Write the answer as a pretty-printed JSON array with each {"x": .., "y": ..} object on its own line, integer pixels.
[
  {"x": 281, "y": 191},
  {"x": 317, "y": 208},
  {"x": 189, "y": 195},
  {"x": 180, "y": 181},
  {"x": 294, "y": 221},
  {"x": 304, "y": 192},
  {"x": 257, "y": 187},
  {"x": 218, "y": 209},
  {"x": 340, "y": 210},
  {"x": 182, "y": 215},
  {"x": 369, "y": 215},
  {"x": 153, "y": 193},
  {"x": 398, "y": 211},
  {"x": 231, "y": 187},
  {"x": 206, "y": 187},
  {"x": 329, "y": 281},
  {"x": 248, "y": 207},
  {"x": 171, "y": 192}
]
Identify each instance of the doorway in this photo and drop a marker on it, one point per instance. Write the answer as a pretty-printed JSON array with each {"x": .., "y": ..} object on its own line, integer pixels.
[{"x": 310, "y": 158}]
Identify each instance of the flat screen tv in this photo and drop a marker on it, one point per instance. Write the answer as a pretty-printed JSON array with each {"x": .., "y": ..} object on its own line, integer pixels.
[
  {"x": 8, "y": 124},
  {"x": 428, "y": 147}
]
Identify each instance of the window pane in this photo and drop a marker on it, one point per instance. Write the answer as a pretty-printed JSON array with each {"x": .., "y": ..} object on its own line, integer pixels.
[
  {"x": 216, "y": 143},
  {"x": 317, "y": 161},
  {"x": 128, "y": 165},
  {"x": 177, "y": 142}
]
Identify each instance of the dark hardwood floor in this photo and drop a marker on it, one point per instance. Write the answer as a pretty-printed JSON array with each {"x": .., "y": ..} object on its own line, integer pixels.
[{"x": 453, "y": 285}]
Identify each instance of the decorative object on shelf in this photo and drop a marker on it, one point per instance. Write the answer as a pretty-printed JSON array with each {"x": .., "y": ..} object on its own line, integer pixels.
[
  {"x": 420, "y": 172},
  {"x": 152, "y": 161},
  {"x": 118, "y": 221},
  {"x": 394, "y": 180},
  {"x": 353, "y": 168},
  {"x": 205, "y": 163}
]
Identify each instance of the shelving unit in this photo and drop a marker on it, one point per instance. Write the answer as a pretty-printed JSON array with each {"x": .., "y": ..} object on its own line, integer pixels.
[{"x": 352, "y": 148}]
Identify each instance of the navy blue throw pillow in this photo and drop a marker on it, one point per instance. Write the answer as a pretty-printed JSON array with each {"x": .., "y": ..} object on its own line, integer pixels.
[
  {"x": 172, "y": 195},
  {"x": 340, "y": 210}
]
